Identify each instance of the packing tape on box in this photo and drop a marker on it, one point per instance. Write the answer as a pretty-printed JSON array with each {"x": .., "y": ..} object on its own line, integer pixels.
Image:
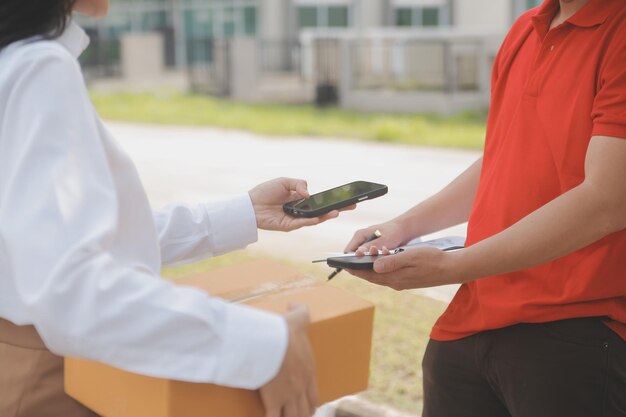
[{"x": 269, "y": 289}]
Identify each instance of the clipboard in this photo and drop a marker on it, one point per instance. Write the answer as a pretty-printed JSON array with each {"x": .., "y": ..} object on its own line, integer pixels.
[{"x": 366, "y": 262}]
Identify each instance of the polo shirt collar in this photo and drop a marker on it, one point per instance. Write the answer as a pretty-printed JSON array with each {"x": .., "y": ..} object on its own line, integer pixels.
[
  {"x": 74, "y": 39},
  {"x": 593, "y": 13}
]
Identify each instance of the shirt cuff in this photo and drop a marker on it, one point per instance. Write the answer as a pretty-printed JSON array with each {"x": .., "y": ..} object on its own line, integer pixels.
[
  {"x": 615, "y": 130},
  {"x": 253, "y": 347},
  {"x": 233, "y": 223}
]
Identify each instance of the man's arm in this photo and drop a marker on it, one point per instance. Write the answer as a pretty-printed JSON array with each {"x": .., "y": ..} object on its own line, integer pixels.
[
  {"x": 447, "y": 208},
  {"x": 579, "y": 217}
]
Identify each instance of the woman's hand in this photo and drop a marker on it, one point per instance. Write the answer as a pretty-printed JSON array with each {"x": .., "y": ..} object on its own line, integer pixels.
[
  {"x": 293, "y": 391},
  {"x": 414, "y": 268},
  {"x": 268, "y": 199}
]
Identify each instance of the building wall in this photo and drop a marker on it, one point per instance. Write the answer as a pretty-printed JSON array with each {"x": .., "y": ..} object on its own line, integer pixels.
[
  {"x": 371, "y": 13},
  {"x": 484, "y": 14},
  {"x": 276, "y": 20}
]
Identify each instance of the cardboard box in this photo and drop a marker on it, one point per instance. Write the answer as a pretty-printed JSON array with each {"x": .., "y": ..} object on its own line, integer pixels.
[{"x": 340, "y": 334}]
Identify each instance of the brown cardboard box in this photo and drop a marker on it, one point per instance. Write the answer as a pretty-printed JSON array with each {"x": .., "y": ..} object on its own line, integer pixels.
[{"x": 340, "y": 334}]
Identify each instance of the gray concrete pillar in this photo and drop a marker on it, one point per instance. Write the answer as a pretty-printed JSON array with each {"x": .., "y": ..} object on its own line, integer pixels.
[
  {"x": 243, "y": 69},
  {"x": 142, "y": 56}
]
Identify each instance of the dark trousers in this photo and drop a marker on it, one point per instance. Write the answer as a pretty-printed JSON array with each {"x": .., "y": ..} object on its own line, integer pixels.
[{"x": 567, "y": 368}]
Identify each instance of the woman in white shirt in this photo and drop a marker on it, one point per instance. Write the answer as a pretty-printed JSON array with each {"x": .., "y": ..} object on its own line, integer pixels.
[{"x": 81, "y": 250}]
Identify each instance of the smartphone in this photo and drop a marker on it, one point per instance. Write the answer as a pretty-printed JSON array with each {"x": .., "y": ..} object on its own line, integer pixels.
[{"x": 334, "y": 199}]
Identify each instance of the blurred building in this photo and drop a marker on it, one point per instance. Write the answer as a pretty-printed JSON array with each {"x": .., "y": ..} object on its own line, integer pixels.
[{"x": 357, "y": 52}]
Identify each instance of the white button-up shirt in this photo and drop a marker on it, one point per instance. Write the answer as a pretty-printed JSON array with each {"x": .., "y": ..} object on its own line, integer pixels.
[{"x": 81, "y": 250}]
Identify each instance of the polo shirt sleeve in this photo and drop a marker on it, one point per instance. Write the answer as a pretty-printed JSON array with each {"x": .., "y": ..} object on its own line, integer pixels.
[{"x": 609, "y": 107}]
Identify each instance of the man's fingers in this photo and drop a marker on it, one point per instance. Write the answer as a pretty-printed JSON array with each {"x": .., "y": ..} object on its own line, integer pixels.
[
  {"x": 391, "y": 263},
  {"x": 371, "y": 250},
  {"x": 357, "y": 240},
  {"x": 366, "y": 275}
]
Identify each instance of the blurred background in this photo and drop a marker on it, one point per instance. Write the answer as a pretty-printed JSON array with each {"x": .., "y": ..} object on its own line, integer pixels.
[{"x": 400, "y": 56}]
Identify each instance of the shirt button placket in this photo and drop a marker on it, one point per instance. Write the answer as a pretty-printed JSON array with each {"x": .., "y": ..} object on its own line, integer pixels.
[{"x": 547, "y": 47}]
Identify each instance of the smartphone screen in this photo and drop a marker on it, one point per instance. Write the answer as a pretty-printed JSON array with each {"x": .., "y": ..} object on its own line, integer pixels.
[{"x": 336, "y": 198}]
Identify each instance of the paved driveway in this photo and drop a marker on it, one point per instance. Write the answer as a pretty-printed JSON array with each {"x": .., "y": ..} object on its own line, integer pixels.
[{"x": 197, "y": 164}]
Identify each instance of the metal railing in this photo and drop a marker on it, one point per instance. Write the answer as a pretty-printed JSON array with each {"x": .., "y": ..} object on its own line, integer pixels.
[
  {"x": 280, "y": 56},
  {"x": 208, "y": 66},
  {"x": 102, "y": 58},
  {"x": 416, "y": 65}
]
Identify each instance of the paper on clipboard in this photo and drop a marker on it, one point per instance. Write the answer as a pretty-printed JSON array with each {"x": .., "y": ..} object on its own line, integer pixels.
[{"x": 443, "y": 243}]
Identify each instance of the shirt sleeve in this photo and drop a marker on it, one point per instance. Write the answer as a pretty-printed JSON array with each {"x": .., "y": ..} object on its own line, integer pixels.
[
  {"x": 58, "y": 214},
  {"x": 609, "y": 107},
  {"x": 191, "y": 233}
]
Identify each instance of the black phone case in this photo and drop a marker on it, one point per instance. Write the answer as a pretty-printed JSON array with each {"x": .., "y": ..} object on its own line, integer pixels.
[
  {"x": 287, "y": 208},
  {"x": 362, "y": 263}
]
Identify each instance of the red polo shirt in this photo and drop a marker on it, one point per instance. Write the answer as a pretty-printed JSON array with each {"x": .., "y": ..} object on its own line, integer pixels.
[{"x": 552, "y": 90}]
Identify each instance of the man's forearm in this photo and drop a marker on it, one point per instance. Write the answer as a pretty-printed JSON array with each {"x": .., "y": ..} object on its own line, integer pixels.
[{"x": 449, "y": 207}]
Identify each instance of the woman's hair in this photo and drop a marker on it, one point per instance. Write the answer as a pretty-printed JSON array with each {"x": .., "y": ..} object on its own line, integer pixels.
[{"x": 21, "y": 19}]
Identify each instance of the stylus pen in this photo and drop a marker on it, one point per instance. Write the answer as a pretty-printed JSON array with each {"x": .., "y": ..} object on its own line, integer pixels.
[{"x": 373, "y": 236}]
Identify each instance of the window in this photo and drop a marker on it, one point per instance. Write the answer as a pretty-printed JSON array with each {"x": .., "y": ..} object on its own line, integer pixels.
[
  {"x": 430, "y": 16},
  {"x": 404, "y": 16},
  {"x": 419, "y": 16},
  {"x": 249, "y": 20},
  {"x": 229, "y": 23},
  {"x": 307, "y": 17},
  {"x": 310, "y": 16},
  {"x": 338, "y": 16},
  {"x": 199, "y": 24},
  {"x": 532, "y": 3},
  {"x": 215, "y": 21},
  {"x": 520, "y": 6}
]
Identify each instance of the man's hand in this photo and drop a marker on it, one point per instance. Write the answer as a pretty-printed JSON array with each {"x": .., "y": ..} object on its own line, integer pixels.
[
  {"x": 293, "y": 392},
  {"x": 268, "y": 199},
  {"x": 414, "y": 268},
  {"x": 393, "y": 234}
]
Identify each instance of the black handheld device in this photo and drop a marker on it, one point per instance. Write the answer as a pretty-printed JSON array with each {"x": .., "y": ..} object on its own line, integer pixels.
[
  {"x": 334, "y": 199},
  {"x": 365, "y": 262}
]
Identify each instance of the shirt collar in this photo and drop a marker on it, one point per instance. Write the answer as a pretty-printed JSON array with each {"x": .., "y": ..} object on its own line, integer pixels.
[
  {"x": 593, "y": 13},
  {"x": 74, "y": 39}
]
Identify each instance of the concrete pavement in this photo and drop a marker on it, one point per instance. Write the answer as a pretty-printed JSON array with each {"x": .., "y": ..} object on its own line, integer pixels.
[{"x": 200, "y": 164}]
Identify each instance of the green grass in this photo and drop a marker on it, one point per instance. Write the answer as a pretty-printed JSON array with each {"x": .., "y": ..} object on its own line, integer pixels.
[
  {"x": 401, "y": 327},
  {"x": 463, "y": 130}
]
